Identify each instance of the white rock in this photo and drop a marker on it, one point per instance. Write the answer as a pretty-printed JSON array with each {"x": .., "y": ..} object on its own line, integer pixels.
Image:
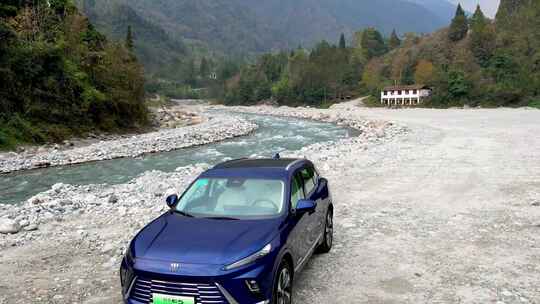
[{"x": 9, "y": 226}]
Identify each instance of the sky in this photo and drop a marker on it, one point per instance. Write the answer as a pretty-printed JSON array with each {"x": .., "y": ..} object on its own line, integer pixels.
[{"x": 489, "y": 7}]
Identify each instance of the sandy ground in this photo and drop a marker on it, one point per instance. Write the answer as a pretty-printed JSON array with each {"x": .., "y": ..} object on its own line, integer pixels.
[{"x": 448, "y": 213}]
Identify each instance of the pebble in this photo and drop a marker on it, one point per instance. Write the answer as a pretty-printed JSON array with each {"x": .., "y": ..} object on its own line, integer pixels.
[
  {"x": 31, "y": 227},
  {"x": 113, "y": 199}
]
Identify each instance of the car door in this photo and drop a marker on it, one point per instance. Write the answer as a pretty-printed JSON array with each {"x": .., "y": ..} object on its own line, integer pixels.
[
  {"x": 310, "y": 181},
  {"x": 299, "y": 238}
]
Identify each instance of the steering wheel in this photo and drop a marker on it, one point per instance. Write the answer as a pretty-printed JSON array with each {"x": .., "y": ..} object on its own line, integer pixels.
[{"x": 265, "y": 201}]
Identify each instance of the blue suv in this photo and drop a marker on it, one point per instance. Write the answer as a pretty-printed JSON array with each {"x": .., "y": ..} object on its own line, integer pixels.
[{"x": 239, "y": 234}]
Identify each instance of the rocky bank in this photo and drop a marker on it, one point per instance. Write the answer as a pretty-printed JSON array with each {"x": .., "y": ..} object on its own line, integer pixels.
[{"x": 212, "y": 128}]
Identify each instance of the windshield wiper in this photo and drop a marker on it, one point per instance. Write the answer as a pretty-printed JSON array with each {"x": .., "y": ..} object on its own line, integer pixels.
[
  {"x": 183, "y": 213},
  {"x": 222, "y": 218}
]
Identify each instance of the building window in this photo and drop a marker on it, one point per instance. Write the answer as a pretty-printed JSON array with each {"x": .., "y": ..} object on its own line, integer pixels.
[
  {"x": 415, "y": 92},
  {"x": 399, "y": 92}
]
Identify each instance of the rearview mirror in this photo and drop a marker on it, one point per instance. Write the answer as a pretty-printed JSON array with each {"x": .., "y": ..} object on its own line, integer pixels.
[
  {"x": 305, "y": 205},
  {"x": 171, "y": 198}
]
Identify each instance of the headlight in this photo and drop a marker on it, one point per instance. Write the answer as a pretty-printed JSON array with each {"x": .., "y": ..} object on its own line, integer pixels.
[{"x": 250, "y": 259}]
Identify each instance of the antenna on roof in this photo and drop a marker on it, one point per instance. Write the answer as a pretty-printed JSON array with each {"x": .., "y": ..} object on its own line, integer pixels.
[{"x": 277, "y": 156}]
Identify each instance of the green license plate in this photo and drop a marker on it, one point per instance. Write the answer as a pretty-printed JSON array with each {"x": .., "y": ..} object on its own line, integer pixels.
[{"x": 167, "y": 299}]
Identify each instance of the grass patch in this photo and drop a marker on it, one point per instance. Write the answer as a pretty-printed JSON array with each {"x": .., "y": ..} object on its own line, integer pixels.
[
  {"x": 534, "y": 103},
  {"x": 373, "y": 102}
]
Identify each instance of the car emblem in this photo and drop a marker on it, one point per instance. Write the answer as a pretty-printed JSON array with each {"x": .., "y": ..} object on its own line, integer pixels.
[{"x": 175, "y": 267}]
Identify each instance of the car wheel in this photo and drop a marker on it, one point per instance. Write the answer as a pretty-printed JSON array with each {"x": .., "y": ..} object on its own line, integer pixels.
[
  {"x": 328, "y": 235},
  {"x": 283, "y": 284}
]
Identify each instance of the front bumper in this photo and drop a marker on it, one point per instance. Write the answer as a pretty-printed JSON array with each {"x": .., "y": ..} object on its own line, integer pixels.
[{"x": 207, "y": 284}]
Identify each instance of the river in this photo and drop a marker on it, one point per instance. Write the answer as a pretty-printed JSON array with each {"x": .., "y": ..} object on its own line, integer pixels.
[{"x": 275, "y": 134}]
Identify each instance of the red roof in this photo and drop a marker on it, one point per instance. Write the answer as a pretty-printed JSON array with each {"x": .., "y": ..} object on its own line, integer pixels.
[{"x": 406, "y": 87}]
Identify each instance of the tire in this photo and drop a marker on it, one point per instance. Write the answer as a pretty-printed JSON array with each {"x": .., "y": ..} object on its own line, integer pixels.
[
  {"x": 328, "y": 234},
  {"x": 283, "y": 284}
]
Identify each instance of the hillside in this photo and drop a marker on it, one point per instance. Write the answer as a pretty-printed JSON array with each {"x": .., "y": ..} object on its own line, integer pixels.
[
  {"x": 248, "y": 26},
  {"x": 153, "y": 45},
  {"x": 60, "y": 77},
  {"x": 308, "y": 21},
  {"x": 475, "y": 61},
  {"x": 489, "y": 64},
  {"x": 441, "y": 8}
]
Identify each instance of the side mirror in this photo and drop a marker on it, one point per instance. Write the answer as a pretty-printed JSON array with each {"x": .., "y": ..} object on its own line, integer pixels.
[
  {"x": 305, "y": 206},
  {"x": 323, "y": 182},
  {"x": 171, "y": 198}
]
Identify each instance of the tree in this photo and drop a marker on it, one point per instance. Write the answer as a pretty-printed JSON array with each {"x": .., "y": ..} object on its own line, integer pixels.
[
  {"x": 191, "y": 74},
  {"x": 342, "y": 43},
  {"x": 459, "y": 26},
  {"x": 394, "y": 41},
  {"x": 507, "y": 10},
  {"x": 129, "y": 39},
  {"x": 424, "y": 72},
  {"x": 482, "y": 37},
  {"x": 204, "y": 69},
  {"x": 458, "y": 86},
  {"x": 372, "y": 43}
]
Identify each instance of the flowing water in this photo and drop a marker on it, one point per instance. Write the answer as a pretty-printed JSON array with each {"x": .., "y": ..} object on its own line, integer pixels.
[{"x": 274, "y": 135}]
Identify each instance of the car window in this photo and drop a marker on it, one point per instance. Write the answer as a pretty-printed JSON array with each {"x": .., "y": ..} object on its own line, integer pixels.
[
  {"x": 297, "y": 193},
  {"x": 196, "y": 191},
  {"x": 233, "y": 197},
  {"x": 308, "y": 176}
]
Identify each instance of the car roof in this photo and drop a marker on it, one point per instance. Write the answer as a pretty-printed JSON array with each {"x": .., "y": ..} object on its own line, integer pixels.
[
  {"x": 256, "y": 168},
  {"x": 259, "y": 163}
]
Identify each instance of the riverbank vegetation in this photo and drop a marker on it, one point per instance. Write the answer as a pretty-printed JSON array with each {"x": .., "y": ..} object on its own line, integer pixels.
[{"x": 60, "y": 77}]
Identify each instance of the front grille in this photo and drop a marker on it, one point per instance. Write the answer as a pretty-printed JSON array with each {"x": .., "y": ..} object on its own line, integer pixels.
[{"x": 143, "y": 288}]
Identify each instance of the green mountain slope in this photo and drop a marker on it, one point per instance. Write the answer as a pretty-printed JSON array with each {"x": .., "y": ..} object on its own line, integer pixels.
[
  {"x": 492, "y": 65},
  {"x": 153, "y": 45},
  {"x": 247, "y": 26},
  {"x": 309, "y": 21},
  {"x": 60, "y": 77}
]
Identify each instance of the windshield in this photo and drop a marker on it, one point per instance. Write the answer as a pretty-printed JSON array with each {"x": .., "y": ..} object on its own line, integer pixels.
[{"x": 234, "y": 198}]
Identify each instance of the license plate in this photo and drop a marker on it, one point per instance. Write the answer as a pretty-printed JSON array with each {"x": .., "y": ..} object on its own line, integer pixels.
[{"x": 168, "y": 299}]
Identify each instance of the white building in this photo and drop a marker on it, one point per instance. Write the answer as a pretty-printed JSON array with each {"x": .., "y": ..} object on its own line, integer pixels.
[{"x": 406, "y": 95}]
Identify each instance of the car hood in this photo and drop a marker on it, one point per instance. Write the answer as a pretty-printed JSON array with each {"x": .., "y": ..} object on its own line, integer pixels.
[{"x": 176, "y": 238}]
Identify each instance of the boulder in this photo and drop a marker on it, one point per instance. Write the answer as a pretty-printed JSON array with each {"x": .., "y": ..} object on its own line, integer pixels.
[{"x": 9, "y": 226}]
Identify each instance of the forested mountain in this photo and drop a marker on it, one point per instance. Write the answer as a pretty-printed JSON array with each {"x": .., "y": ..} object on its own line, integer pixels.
[
  {"x": 60, "y": 77},
  {"x": 153, "y": 45},
  {"x": 170, "y": 30},
  {"x": 475, "y": 61},
  {"x": 307, "y": 21}
]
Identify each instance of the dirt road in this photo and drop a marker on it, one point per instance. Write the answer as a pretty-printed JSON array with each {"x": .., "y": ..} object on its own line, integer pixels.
[{"x": 449, "y": 213}]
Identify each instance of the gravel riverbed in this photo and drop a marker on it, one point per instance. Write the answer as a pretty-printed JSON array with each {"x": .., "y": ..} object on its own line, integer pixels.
[
  {"x": 431, "y": 207},
  {"x": 213, "y": 128}
]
